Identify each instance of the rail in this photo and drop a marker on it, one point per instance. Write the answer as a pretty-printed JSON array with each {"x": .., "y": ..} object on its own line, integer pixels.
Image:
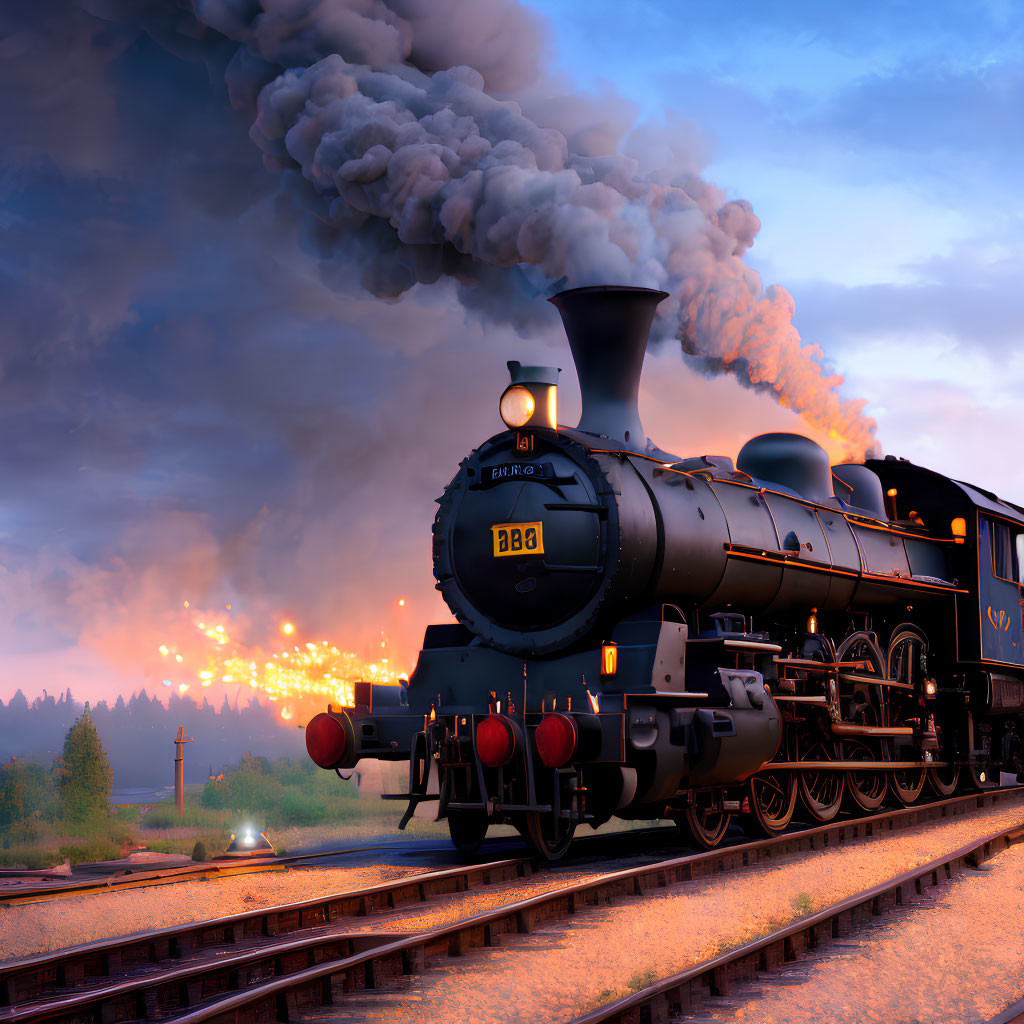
[
  {"x": 280, "y": 998},
  {"x": 689, "y": 991}
]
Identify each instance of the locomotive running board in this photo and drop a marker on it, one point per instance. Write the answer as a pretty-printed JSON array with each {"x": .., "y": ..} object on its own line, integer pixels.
[
  {"x": 851, "y": 729},
  {"x": 852, "y": 766}
]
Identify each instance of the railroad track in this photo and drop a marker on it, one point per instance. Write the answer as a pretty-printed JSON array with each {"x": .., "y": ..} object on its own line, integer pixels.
[
  {"x": 258, "y": 968},
  {"x": 134, "y": 878},
  {"x": 112, "y": 976},
  {"x": 694, "y": 990}
]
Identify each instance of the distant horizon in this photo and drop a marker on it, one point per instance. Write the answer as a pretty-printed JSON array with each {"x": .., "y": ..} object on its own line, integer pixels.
[{"x": 137, "y": 734}]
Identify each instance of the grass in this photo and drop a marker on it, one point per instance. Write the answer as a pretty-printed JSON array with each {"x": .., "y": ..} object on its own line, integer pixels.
[
  {"x": 37, "y": 845},
  {"x": 30, "y": 858},
  {"x": 88, "y": 852},
  {"x": 803, "y": 905},
  {"x": 164, "y": 815},
  {"x": 642, "y": 979}
]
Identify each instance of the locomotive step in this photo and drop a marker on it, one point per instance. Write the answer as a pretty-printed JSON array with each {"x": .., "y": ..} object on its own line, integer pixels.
[{"x": 752, "y": 645}]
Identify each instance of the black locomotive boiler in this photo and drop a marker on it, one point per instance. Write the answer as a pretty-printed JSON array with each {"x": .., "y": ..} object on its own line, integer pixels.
[{"x": 650, "y": 636}]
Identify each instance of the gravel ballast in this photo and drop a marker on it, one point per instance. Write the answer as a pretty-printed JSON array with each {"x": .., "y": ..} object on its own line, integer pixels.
[
  {"x": 73, "y": 920},
  {"x": 568, "y": 967},
  {"x": 954, "y": 957},
  {"x": 563, "y": 968}
]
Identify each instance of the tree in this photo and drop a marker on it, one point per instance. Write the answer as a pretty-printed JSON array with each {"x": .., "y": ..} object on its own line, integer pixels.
[{"x": 85, "y": 775}]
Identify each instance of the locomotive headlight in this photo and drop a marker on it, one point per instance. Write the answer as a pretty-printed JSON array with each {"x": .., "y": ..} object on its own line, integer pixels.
[
  {"x": 517, "y": 406},
  {"x": 531, "y": 398}
]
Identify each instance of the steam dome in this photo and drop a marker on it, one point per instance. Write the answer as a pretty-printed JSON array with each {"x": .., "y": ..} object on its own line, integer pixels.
[{"x": 792, "y": 461}]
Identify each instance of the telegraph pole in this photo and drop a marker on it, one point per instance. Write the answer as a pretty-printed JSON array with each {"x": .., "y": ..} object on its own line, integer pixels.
[{"x": 179, "y": 768}]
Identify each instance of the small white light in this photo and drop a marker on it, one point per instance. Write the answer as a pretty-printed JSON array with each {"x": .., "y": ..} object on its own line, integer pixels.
[
  {"x": 981, "y": 776},
  {"x": 517, "y": 406},
  {"x": 929, "y": 688}
]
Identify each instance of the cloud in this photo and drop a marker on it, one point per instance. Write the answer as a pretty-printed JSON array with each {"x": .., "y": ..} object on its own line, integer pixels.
[
  {"x": 970, "y": 297},
  {"x": 200, "y": 402}
]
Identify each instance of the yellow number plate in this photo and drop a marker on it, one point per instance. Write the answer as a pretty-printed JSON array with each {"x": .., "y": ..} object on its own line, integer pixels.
[{"x": 517, "y": 539}]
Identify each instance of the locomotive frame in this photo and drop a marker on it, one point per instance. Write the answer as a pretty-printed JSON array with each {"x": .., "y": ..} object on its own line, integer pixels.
[{"x": 691, "y": 640}]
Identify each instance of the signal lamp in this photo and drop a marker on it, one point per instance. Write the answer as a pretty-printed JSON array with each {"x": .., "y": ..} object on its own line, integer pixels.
[
  {"x": 495, "y": 741},
  {"x": 958, "y": 527},
  {"x": 556, "y": 740},
  {"x": 609, "y": 659},
  {"x": 517, "y": 406},
  {"x": 326, "y": 741},
  {"x": 929, "y": 688}
]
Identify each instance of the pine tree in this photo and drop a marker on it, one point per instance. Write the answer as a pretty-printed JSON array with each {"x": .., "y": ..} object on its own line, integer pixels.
[{"x": 85, "y": 775}]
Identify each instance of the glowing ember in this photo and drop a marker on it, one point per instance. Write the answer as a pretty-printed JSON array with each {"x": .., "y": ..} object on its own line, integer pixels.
[{"x": 302, "y": 671}]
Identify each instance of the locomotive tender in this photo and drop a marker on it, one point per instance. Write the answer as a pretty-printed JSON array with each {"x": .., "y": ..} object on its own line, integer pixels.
[{"x": 660, "y": 637}]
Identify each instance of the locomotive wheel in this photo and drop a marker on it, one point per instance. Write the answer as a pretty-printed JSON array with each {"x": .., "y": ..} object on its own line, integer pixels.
[
  {"x": 771, "y": 797},
  {"x": 705, "y": 823},
  {"x": 821, "y": 790},
  {"x": 905, "y": 784},
  {"x": 467, "y": 830},
  {"x": 548, "y": 840},
  {"x": 944, "y": 780},
  {"x": 906, "y": 663},
  {"x": 865, "y": 790}
]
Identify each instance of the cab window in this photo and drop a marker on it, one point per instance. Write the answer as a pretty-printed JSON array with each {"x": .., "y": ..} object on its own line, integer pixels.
[
  {"x": 1005, "y": 552},
  {"x": 1020, "y": 558}
]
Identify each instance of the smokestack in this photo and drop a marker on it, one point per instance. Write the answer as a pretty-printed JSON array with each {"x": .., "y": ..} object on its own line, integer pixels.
[{"x": 607, "y": 327}]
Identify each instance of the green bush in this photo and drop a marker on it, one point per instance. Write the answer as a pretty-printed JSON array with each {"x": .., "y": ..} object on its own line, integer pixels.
[
  {"x": 293, "y": 773},
  {"x": 27, "y": 793},
  {"x": 129, "y": 815},
  {"x": 199, "y": 854},
  {"x": 89, "y": 852},
  {"x": 27, "y": 834},
  {"x": 297, "y": 808},
  {"x": 247, "y": 790}
]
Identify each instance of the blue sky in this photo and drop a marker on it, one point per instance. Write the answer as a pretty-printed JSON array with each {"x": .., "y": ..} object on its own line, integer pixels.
[
  {"x": 880, "y": 145},
  {"x": 202, "y": 400}
]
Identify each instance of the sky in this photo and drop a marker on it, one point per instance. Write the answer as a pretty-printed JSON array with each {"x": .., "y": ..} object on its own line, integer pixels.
[{"x": 241, "y": 356}]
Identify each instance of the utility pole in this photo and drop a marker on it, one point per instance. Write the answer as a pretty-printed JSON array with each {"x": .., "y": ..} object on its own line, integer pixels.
[{"x": 179, "y": 769}]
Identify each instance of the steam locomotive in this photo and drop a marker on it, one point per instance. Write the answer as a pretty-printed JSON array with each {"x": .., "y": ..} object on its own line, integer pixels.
[{"x": 650, "y": 636}]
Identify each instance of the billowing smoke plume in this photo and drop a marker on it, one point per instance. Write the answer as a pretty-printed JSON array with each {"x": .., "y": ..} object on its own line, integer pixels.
[{"x": 427, "y": 141}]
